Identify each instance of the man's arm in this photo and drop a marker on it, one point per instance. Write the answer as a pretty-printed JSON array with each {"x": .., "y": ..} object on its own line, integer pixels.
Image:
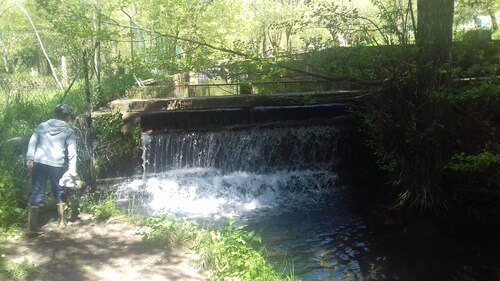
[
  {"x": 72, "y": 154},
  {"x": 30, "y": 155}
]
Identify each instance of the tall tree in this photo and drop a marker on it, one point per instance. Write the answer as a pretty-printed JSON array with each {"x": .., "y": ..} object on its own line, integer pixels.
[
  {"x": 341, "y": 21},
  {"x": 434, "y": 39}
]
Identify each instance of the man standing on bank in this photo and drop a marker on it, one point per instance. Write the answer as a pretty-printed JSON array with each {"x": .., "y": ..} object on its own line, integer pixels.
[{"x": 52, "y": 142}]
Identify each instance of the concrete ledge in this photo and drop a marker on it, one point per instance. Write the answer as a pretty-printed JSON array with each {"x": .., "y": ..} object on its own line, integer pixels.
[
  {"x": 220, "y": 111},
  {"x": 240, "y": 101},
  {"x": 206, "y": 119}
]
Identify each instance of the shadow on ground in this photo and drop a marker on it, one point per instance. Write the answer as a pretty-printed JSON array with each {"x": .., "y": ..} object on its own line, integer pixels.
[{"x": 110, "y": 251}]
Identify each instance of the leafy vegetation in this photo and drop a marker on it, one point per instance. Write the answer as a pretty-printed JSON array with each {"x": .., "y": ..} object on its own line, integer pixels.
[
  {"x": 17, "y": 271},
  {"x": 113, "y": 148},
  {"x": 168, "y": 231},
  {"x": 228, "y": 251},
  {"x": 102, "y": 209},
  {"x": 437, "y": 145},
  {"x": 438, "y": 152},
  {"x": 12, "y": 209}
]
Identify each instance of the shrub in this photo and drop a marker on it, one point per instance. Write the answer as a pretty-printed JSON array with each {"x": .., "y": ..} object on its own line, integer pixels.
[
  {"x": 229, "y": 252},
  {"x": 102, "y": 209},
  {"x": 13, "y": 200},
  {"x": 116, "y": 152},
  {"x": 474, "y": 184},
  {"x": 480, "y": 170},
  {"x": 167, "y": 231},
  {"x": 418, "y": 142}
]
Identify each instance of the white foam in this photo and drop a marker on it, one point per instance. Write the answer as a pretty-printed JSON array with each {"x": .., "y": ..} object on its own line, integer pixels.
[{"x": 208, "y": 193}]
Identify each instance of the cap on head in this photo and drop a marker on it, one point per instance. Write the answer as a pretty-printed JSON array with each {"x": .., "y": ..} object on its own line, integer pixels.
[{"x": 63, "y": 110}]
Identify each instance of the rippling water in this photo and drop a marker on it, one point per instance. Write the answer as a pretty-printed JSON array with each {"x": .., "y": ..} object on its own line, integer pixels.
[
  {"x": 281, "y": 182},
  {"x": 301, "y": 215},
  {"x": 314, "y": 229}
]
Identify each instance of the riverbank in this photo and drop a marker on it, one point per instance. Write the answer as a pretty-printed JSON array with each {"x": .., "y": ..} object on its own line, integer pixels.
[{"x": 112, "y": 250}]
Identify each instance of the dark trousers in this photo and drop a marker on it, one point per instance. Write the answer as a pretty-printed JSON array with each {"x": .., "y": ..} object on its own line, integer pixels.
[{"x": 40, "y": 174}]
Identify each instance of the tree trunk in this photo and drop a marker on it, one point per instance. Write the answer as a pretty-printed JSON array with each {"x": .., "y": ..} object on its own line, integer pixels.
[
  {"x": 264, "y": 44},
  {"x": 52, "y": 70},
  {"x": 494, "y": 24},
  {"x": 132, "y": 31},
  {"x": 288, "y": 37},
  {"x": 89, "y": 144},
  {"x": 97, "y": 52},
  {"x": 434, "y": 39},
  {"x": 4, "y": 58},
  {"x": 64, "y": 71}
]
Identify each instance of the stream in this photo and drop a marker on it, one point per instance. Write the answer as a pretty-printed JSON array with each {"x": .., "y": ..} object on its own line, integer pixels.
[{"x": 282, "y": 182}]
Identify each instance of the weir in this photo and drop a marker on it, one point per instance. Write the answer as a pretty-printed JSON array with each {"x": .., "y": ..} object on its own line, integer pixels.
[
  {"x": 235, "y": 158},
  {"x": 291, "y": 146},
  {"x": 220, "y": 111},
  {"x": 232, "y": 117},
  {"x": 271, "y": 167},
  {"x": 275, "y": 169}
]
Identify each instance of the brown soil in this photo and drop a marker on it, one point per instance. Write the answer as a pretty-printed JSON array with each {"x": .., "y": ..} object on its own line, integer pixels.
[{"x": 108, "y": 251}]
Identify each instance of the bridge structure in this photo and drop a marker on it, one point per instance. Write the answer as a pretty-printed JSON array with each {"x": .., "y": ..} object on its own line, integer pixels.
[{"x": 222, "y": 111}]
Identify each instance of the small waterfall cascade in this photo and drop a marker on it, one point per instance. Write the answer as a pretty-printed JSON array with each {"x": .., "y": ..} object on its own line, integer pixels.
[
  {"x": 279, "y": 179},
  {"x": 235, "y": 172},
  {"x": 257, "y": 150}
]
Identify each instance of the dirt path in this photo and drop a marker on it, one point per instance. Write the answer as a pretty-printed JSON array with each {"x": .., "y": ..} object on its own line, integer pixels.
[{"x": 109, "y": 251}]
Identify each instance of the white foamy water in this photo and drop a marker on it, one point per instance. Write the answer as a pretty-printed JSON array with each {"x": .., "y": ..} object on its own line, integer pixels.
[{"x": 209, "y": 193}]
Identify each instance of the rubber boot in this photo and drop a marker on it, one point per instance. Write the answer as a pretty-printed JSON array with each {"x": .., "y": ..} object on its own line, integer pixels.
[
  {"x": 34, "y": 220},
  {"x": 62, "y": 221}
]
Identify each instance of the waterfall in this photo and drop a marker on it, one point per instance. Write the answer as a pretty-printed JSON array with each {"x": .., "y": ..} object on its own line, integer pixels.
[
  {"x": 258, "y": 150},
  {"x": 235, "y": 172},
  {"x": 279, "y": 179}
]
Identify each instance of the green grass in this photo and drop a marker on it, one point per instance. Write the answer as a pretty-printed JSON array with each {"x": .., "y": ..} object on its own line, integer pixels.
[
  {"x": 496, "y": 35},
  {"x": 102, "y": 209},
  {"x": 17, "y": 271},
  {"x": 232, "y": 253},
  {"x": 229, "y": 252}
]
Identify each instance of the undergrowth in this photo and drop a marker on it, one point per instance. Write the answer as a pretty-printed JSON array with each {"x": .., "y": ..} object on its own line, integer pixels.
[
  {"x": 102, "y": 208},
  {"x": 229, "y": 252},
  {"x": 17, "y": 271},
  {"x": 232, "y": 253},
  {"x": 441, "y": 151}
]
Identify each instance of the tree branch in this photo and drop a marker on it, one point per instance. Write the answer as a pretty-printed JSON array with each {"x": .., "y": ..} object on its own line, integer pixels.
[
  {"x": 41, "y": 46},
  {"x": 249, "y": 56}
]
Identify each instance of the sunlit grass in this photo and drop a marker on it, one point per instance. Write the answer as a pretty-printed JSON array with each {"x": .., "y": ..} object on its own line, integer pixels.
[
  {"x": 232, "y": 253},
  {"x": 101, "y": 208},
  {"x": 13, "y": 232},
  {"x": 16, "y": 271},
  {"x": 229, "y": 252}
]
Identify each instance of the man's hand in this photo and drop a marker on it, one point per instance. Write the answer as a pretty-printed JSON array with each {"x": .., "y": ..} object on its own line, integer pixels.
[
  {"x": 29, "y": 164},
  {"x": 69, "y": 179}
]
